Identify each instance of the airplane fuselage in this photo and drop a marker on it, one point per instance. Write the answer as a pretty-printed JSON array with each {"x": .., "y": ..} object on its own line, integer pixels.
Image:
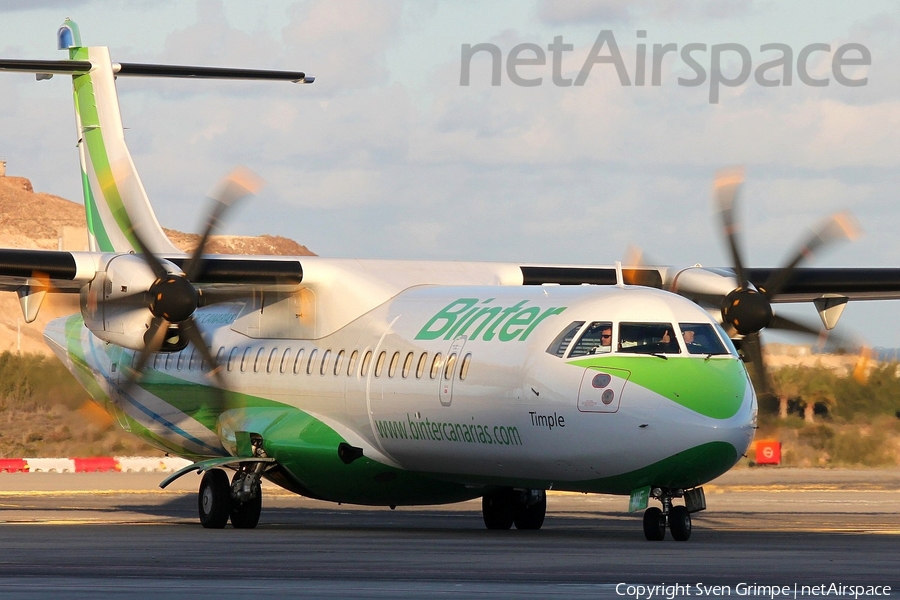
[{"x": 446, "y": 390}]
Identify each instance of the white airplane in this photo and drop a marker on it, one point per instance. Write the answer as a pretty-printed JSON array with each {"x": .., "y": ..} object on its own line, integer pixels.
[{"x": 393, "y": 383}]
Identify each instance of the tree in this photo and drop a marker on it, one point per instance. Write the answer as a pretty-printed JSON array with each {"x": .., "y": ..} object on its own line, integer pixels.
[
  {"x": 787, "y": 383},
  {"x": 818, "y": 387}
]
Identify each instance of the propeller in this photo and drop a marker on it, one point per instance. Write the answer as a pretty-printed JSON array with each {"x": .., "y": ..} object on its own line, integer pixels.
[
  {"x": 747, "y": 309},
  {"x": 172, "y": 298}
]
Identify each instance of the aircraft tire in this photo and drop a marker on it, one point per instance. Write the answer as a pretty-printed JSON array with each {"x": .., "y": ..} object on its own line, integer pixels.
[
  {"x": 654, "y": 524},
  {"x": 532, "y": 517},
  {"x": 498, "y": 509},
  {"x": 680, "y": 523},
  {"x": 214, "y": 499},
  {"x": 245, "y": 515}
]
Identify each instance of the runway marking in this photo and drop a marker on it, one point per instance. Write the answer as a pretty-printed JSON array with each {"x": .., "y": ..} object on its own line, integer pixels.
[
  {"x": 808, "y": 487},
  {"x": 150, "y": 492},
  {"x": 38, "y": 493}
]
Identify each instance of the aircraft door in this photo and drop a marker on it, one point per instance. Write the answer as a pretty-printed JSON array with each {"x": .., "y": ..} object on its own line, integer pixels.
[
  {"x": 601, "y": 389},
  {"x": 450, "y": 367}
]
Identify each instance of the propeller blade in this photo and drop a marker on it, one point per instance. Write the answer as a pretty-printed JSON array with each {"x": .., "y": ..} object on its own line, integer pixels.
[
  {"x": 826, "y": 338},
  {"x": 124, "y": 175},
  {"x": 786, "y": 324},
  {"x": 725, "y": 190},
  {"x": 751, "y": 347},
  {"x": 150, "y": 258},
  {"x": 239, "y": 184},
  {"x": 153, "y": 341},
  {"x": 190, "y": 330},
  {"x": 839, "y": 226}
]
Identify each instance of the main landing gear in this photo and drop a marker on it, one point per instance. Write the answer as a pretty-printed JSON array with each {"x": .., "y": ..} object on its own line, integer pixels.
[
  {"x": 675, "y": 518},
  {"x": 525, "y": 508},
  {"x": 240, "y": 501}
]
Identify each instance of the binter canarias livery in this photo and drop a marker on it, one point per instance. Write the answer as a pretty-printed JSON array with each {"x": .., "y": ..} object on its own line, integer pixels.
[{"x": 405, "y": 382}]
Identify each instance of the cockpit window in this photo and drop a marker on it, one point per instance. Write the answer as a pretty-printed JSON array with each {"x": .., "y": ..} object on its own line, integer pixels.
[
  {"x": 596, "y": 339},
  {"x": 561, "y": 343},
  {"x": 701, "y": 338},
  {"x": 648, "y": 338}
]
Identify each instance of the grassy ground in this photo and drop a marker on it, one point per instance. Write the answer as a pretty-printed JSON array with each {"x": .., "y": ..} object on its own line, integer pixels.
[
  {"x": 825, "y": 443},
  {"x": 44, "y": 412}
]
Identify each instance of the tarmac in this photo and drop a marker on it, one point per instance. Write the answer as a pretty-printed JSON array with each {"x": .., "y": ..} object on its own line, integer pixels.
[{"x": 84, "y": 535}]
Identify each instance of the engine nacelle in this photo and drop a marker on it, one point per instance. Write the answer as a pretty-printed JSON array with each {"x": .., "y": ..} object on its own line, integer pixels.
[
  {"x": 702, "y": 283},
  {"x": 115, "y": 305}
]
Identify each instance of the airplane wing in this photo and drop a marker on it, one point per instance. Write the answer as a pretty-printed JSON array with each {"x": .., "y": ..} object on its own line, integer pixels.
[{"x": 67, "y": 272}]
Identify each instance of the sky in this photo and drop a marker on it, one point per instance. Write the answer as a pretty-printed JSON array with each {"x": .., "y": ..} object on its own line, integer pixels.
[{"x": 388, "y": 155}]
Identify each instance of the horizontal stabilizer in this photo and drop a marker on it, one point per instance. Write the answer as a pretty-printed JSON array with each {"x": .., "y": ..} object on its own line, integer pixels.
[
  {"x": 146, "y": 70},
  {"x": 79, "y": 67},
  {"x": 61, "y": 67}
]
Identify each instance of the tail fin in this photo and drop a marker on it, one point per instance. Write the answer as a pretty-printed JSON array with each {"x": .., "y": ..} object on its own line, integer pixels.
[{"x": 114, "y": 199}]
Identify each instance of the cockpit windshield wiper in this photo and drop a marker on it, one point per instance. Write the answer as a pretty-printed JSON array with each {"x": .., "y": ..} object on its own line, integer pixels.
[{"x": 658, "y": 355}]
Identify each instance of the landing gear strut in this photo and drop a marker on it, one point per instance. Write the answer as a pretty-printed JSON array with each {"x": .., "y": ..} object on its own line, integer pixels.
[
  {"x": 241, "y": 500},
  {"x": 525, "y": 508},
  {"x": 246, "y": 496},
  {"x": 676, "y": 518}
]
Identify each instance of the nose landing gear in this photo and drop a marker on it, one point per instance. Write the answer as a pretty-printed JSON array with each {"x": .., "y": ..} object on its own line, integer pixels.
[{"x": 676, "y": 519}]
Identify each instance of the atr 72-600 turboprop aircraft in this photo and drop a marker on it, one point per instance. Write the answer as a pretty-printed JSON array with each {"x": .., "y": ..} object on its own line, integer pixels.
[{"x": 397, "y": 383}]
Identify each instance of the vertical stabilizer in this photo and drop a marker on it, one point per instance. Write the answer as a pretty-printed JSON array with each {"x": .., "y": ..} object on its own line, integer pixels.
[
  {"x": 115, "y": 201},
  {"x": 118, "y": 211}
]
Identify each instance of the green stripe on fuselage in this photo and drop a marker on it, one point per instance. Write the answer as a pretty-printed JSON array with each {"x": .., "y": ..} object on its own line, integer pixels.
[
  {"x": 683, "y": 470},
  {"x": 714, "y": 388},
  {"x": 92, "y": 134}
]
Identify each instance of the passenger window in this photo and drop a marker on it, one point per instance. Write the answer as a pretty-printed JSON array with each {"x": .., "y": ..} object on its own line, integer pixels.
[
  {"x": 169, "y": 361},
  {"x": 596, "y": 339},
  {"x": 380, "y": 363},
  {"x": 561, "y": 343},
  {"x": 436, "y": 365},
  {"x": 648, "y": 338},
  {"x": 420, "y": 368},
  {"x": 338, "y": 362},
  {"x": 257, "y": 364},
  {"x": 326, "y": 359},
  {"x": 364, "y": 370},
  {"x": 448, "y": 368},
  {"x": 351, "y": 364},
  {"x": 464, "y": 368},
  {"x": 232, "y": 357},
  {"x": 312, "y": 361},
  {"x": 298, "y": 362},
  {"x": 155, "y": 360},
  {"x": 395, "y": 360},
  {"x": 407, "y": 364},
  {"x": 285, "y": 359},
  {"x": 190, "y": 362},
  {"x": 270, "y": 364},
  {"x": 701, "y": 338},
  {"x": 220, "y": 359},
  {"x": 245, "y": 359}
]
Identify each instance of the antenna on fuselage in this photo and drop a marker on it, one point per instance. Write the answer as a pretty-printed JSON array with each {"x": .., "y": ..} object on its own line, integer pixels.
[{"x": 620, "y": 279}]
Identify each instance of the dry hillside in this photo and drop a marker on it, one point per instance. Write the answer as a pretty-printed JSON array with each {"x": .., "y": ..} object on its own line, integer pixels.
[{"x": 37, "y": 221}]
